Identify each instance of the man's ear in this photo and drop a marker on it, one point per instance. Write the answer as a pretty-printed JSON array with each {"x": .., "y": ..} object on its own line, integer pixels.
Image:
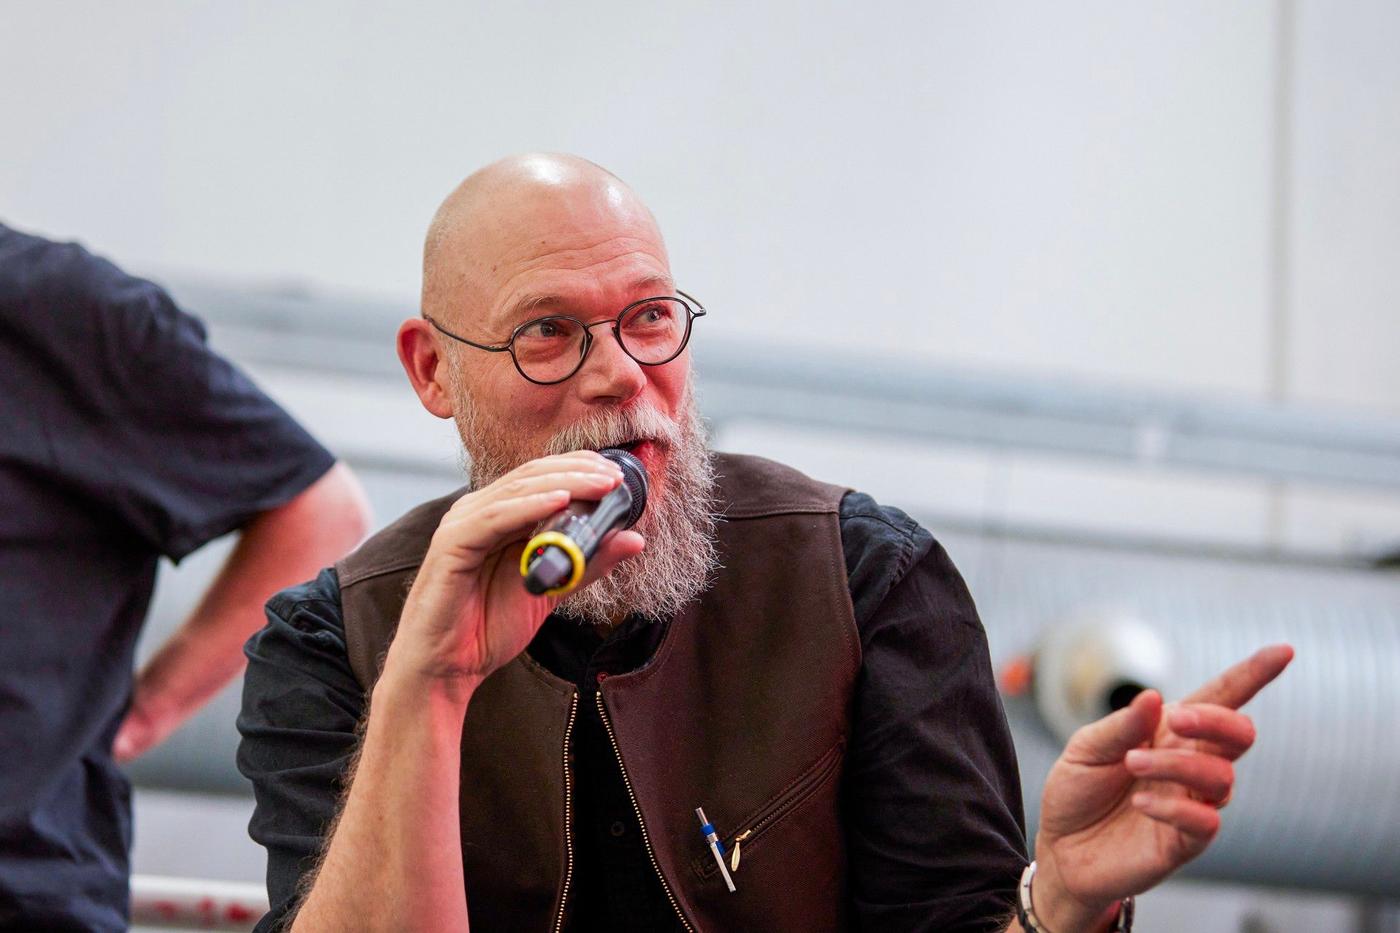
[{"x": 424, "y": 363}]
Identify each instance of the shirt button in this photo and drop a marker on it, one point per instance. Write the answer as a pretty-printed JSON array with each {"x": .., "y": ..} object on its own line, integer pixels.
[
  {"x": 602, "y": 676},
  {"x": 617, "y": 829}
]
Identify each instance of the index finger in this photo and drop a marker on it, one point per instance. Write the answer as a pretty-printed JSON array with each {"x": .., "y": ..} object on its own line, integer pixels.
[
  {"x": 1238, "y": 684},
  {"x": 569, "y": 456},
  {"x": 581, "y": 460}
]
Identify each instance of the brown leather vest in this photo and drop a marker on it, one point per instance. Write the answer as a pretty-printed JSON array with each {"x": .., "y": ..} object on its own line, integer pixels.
[{"x": 743, "y": 710}]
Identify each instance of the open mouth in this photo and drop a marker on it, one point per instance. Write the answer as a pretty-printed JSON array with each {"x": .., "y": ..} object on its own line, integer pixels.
[{"x": 643, "y": 448}]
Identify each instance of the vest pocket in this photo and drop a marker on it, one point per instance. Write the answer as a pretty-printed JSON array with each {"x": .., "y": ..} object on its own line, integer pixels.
[{"x": 755, "y": 825}]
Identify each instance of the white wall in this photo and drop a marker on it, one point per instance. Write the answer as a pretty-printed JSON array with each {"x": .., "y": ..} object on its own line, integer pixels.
[
  {"x": 1081, "y": 188},
  {"x": 1191, "y": 195},
  {"x": 1345, "y": 274}
]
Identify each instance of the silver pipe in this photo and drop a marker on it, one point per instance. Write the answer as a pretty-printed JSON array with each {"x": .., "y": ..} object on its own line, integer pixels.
[{"x": 1317, "y": 804}]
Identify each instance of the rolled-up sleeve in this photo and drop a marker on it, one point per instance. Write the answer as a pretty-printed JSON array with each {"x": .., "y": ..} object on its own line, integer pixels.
[
  {"x": 301, "y": 708},
  {"x": 932, "y": 801}
]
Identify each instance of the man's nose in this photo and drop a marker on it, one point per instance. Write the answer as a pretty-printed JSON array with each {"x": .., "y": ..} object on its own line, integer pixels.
[{"x": 609, "y": 374}]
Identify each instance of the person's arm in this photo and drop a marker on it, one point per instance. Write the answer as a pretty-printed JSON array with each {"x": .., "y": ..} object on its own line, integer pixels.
[
  {"x": 299, "y": 722},
  {"x": 304, "y": 724},
  {"x": 931, "y": 797},
  {"x": 394, "y": 860},
  {"x": 277, "y": 548},
  {"x": 932, "y": 803},
  {"x": 176, "y": 446}
]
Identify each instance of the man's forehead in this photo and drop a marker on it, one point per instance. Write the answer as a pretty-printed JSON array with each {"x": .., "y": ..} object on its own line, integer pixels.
[{"x": 567, "y": 243}]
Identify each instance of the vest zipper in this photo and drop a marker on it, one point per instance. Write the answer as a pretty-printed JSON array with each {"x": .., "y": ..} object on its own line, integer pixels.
[
  {"x": 568, "y": 817},
  {"x": 785, "y": 804},
  {"x": 797, "y": 795},
  {"x": 646, "y": 837}
]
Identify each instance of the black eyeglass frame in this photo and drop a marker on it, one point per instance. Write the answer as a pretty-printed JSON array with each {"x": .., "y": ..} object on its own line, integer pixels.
[{"x": 692, "y": 305}]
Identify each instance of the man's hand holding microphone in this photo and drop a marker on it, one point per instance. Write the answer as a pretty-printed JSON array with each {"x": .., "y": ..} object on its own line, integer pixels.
[
  {"x": 468, "y": 614},
  {"x": 395, "y": 859}
]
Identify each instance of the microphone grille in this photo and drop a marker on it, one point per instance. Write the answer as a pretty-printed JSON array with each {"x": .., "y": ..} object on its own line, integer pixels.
[{"x": 634, "y": 477}]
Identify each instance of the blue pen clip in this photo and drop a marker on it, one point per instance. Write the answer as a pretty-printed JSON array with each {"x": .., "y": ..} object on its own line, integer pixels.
[{"x": 716, "y": 847}]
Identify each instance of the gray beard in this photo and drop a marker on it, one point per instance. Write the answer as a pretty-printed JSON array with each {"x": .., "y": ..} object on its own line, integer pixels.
[{"x": 680, "y": 559}]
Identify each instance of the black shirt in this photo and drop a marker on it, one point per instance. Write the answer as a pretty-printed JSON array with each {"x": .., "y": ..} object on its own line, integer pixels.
[
  {"x": 931, "y": 801},
  {"x": 123, "y": 437}
]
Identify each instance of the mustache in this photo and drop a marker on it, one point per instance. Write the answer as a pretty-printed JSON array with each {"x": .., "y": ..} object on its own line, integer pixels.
[{"x": 614, "y": 427}]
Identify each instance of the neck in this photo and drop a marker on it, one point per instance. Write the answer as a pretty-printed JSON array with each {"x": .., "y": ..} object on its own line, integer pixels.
[{"x": 606, "y": 628}]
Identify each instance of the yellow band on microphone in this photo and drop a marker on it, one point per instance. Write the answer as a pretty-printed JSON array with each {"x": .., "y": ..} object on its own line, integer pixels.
[{"x": 565, "y": 544}]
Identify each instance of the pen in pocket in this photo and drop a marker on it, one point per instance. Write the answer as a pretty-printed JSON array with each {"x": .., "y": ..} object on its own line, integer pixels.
[{"x": 716, "y": 847}]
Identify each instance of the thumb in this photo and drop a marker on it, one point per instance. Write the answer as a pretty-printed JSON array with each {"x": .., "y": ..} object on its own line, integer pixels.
[
  {"x": 1107, "y": 740},
  {"x": 132, "y": 738},
  {"x": 614, "y": 549}
]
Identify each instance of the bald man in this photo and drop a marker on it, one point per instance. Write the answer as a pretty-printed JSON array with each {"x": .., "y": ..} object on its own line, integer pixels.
[{"x": 430, "y": 744}]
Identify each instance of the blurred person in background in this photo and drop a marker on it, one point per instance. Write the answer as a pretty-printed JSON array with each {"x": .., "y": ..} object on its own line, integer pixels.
[
  {"x": 431, "y": 746},
  {"x": 124, "y": 438}
]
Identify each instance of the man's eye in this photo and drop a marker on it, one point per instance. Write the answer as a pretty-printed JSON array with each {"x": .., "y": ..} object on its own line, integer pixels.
[
  {"x": 650, "y": 315},
  {"x": 547, "y": 329}
]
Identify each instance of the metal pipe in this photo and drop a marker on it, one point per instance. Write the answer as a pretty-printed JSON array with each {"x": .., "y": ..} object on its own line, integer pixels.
[{"x": 1317, "y": 805}]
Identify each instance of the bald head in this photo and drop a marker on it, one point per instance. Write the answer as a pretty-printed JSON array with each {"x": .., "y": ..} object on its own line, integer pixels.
[{"x": 504, "y": 218}]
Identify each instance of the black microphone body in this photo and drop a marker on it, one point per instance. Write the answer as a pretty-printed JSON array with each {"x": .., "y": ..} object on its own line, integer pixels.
[{"x": 555, "y": 559}]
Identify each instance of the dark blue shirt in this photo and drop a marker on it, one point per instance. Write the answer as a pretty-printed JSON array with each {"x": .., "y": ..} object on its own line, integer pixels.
[
  {"x": 931, "y": 802},
  {"x": 123, "y": 437}
]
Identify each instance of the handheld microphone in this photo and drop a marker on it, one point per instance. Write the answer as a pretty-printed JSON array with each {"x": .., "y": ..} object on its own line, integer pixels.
[{"x": 554, "y": 561}]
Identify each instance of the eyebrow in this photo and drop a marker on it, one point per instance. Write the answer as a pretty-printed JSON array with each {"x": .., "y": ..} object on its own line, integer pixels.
[{"x": 531, "y": 303}]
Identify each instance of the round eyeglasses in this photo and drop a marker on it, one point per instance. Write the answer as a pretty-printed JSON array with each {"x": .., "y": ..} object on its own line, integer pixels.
[{"x": 548, "y": 350}]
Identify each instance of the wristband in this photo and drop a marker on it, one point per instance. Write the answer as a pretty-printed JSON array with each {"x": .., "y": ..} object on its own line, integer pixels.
[{"x": 1025, "y": 910}]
